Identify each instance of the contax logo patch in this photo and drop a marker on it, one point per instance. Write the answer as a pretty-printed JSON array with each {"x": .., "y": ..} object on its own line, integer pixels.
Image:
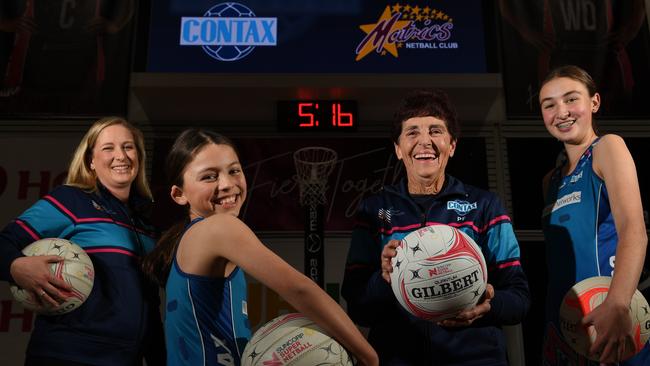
[
  {"x": 228, "y": 31},
  {"x": 461, "y": 207}
]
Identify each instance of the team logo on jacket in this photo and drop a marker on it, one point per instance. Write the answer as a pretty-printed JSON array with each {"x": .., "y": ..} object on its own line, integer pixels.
[
  {"x": 386, "y": 214},
  {"x": 461, "y": 207},
  {"x": 97, "y": 206},
  {"x": 101, "y": 208}
]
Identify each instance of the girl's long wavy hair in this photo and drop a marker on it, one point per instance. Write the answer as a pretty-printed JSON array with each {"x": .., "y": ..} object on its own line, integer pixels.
[{"x": 156, "y": 265}]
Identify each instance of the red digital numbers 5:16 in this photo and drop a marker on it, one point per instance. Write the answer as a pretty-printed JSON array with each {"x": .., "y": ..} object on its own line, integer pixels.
[{"x": 317, "y": 115}]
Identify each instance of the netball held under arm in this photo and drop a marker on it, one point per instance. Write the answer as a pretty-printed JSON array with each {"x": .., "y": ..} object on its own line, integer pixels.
[
  {"x": 224, "y": 238},
  {"x": 593, "y": 219}
]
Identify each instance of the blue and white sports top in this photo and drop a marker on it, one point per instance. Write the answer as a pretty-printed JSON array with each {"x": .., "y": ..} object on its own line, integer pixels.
[
  {"x": 206, "y": 319},
  {"x": 578, "y": 229}
]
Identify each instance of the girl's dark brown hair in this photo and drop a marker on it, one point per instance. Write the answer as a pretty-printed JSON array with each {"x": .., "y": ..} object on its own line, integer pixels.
[
  {"x": 572, "y": 72},
  {"x": 156, "y": 265}
]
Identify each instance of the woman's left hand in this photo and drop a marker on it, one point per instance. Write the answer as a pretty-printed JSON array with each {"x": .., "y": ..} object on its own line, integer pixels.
[
  {"x": 468, "y": 316},
  {"x": 387, "y": 254},
  {"x": 614, "y": 331}
]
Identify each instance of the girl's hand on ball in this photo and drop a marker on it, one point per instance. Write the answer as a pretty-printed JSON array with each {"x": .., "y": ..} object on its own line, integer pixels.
[
  {"x": 614, "y": 330},
  {"x": 468, "y": 316},
  {"x": 387, "y": 254}
]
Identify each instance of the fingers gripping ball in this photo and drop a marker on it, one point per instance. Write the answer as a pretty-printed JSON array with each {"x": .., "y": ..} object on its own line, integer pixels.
[
  {"x": 76, "y": 269},
  {"x": 438, "y": 271},
  {"x": 582, "y": 298},
  {"x": 293, "y": 339}
]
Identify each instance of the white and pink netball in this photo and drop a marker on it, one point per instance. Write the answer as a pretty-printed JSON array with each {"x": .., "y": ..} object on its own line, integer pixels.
[
  {"x": 293, "y": 340},
  {"x": 581, "y": 299},
  {"x": 76, "y": 270},
  {"x": 438, "y": 271}
]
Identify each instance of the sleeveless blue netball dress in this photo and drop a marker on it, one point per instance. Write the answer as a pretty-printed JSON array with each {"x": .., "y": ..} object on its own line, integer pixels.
[
  {"x": 206, "y": 320},
  {"x": 581, "y": 242}
]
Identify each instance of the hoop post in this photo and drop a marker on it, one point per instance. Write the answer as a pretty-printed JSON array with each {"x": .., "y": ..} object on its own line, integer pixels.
[{"x": 313, "y": 166}]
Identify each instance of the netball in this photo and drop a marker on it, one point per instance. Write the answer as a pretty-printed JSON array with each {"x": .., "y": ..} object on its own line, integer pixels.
[
  {"x": 438, "y": 271},
  {"x": 76, "y": 269},
  {"x": 294, "y": 339},
  {"x": 582, "y": 298}
]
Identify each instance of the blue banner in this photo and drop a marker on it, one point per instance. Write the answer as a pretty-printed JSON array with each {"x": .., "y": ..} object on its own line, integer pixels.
[{"x": 338, "y": 36}]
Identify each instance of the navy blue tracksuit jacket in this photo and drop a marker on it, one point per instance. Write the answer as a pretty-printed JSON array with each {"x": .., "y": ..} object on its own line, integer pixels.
[{"x": 399, "y": 337}]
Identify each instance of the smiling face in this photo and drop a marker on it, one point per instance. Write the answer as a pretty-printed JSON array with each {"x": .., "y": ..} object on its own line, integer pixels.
[
  {"x": 115, "y": 160},
  {"x": 213, "y": 182},
  {"x": 567, "y": 109},
  {"x": 425, "y": 147}
]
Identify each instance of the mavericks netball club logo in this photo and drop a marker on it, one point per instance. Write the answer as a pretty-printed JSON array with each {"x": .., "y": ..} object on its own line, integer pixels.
[
  {"x": 407, "y": 27},
  {"x": 228, "y": 31}
]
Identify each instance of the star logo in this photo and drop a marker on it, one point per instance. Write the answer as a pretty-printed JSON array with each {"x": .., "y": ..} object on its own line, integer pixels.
[
  {"x": 378, "y": 35},
  {"x": 253, "y": 354},
  {"x": 415, "y": 273},
  {"x": 398, "y": 263}
]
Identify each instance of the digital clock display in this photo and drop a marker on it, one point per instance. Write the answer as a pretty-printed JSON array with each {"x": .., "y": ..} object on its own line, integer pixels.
[{"x": 317, "y": 115}]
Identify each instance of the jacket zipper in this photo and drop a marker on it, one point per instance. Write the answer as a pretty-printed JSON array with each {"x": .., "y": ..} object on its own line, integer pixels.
[{"x": 140, "y": 252}]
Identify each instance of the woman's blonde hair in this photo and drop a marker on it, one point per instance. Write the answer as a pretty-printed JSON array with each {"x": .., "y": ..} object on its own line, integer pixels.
[{"x": 79, "y": 173}]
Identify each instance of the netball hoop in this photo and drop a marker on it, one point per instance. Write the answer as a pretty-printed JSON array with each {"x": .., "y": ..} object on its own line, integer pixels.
[{"x": 313, "y": 166}]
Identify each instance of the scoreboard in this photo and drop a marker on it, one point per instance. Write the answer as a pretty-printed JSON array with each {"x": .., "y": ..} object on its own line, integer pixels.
[{"x": 317, "y": 68}]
